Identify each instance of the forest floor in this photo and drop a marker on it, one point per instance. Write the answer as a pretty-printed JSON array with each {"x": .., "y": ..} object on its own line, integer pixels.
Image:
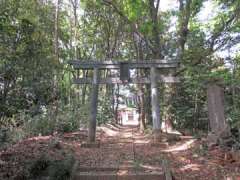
[{"x": 120, "y": 147}]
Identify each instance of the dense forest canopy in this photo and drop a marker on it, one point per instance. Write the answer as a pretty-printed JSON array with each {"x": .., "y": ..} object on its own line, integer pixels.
[
  {"x": 54, "y": 128},
  {"x": 39, "y": 37}
]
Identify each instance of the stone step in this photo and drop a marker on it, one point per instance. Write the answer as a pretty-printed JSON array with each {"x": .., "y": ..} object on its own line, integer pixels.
[
  {"x": 116, "y": 176},
  {"x": 124, "y": 172},
  {"x": 108, "y": 169},
  {"x": 128, "y": 168}
]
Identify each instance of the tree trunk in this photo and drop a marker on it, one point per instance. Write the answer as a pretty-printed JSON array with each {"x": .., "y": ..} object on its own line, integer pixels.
[
  {"x": 167, "y": 125},
  {"x": 84, "y": 88},
  {"x": 56, "y": 50},
  {"x": 155, "y": 30},
  {"x": 196, "y": 112},
  {"x": 185, "y": 12},
  {"x": 116, "y": 117},
  {"x": 146, "y": 104},
  {"x": 142, "y": 118},
  {"x": 233, "y": 86},
  {"x": 169, "y": 89},
  {"x": 74, "y": 4},
  {"x": 56, "y": 31}
]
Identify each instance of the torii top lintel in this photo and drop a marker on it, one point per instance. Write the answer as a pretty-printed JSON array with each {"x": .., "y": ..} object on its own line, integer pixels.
[
  {"x": 77, "y": 64},
  {"x": 124, "y": 67}
]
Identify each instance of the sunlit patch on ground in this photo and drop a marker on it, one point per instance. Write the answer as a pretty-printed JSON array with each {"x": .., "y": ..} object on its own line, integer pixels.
[
  {"x": 109, "y": 132},
  {"x": 182, "y": 146},
  {"x": 192, "y": 167}
]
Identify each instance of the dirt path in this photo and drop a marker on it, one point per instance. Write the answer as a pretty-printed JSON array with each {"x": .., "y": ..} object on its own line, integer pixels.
[
  {"x": 124, "y": 150},
  {"x": 118, "y": 155},
  {"x": 119, "y": 148}
]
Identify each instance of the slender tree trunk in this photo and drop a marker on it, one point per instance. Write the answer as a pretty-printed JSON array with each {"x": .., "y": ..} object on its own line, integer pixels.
[
  {"x": 167, "y": 110},
  {"x": 157, "y": 54},
  {"x": 196, "y": 111},
  {"x": 142, "y": 108},
  {"x": 141, "y": 91},
  {"x": 113, "y": 100},
  {"x": 75, "y": 6},
  {"x": 140, "y": 88},
  {"x": 69, "y": 92},
  {"x": 56, "y": 31},
  {"x": 117, "y": 104},
  {"x": 185, "y": 12},
  {"x": 146, "y": 104},
  {"x": 84, "y": 88},
  {"x": 4, "y": 94},
  {"x": 169, "y": 89},
  {"x": 154, "y": 8},
  {"x": 56, "y": 54},
  {"x": 234, "y": 98}
]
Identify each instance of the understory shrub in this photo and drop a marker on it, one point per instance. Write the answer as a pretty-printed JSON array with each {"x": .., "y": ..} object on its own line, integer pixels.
[
  {"x": 105, "y": 113},
  {"x": 52, "y": 119},
  {"x": 63, "y": 119}
]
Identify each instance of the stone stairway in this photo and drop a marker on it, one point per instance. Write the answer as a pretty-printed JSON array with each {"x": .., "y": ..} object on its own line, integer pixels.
[{"x": 121, "y": 159}]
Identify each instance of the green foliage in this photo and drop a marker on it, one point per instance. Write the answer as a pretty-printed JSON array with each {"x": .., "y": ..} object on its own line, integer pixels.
[
  {"x": 105, "y": 112},
  {"x": 196, "y": 6},
  {"x": 65, "y": 119},
  {"x": 31, "y": 78},
  {"x": 26, "y": 61},
  {"x": 146, "y": 27},
  {"x": 16, "y": 134},
  {"x": 134, "y": 9}
]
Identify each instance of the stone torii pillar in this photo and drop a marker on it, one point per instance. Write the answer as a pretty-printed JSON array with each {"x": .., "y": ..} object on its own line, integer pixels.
[
  {"x": 155, "y": 100},
  {"x": 94, "y": 102}
]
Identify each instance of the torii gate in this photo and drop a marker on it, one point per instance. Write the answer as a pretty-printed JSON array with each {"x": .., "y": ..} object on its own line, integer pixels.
[{"x": 156, "y": 75}]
